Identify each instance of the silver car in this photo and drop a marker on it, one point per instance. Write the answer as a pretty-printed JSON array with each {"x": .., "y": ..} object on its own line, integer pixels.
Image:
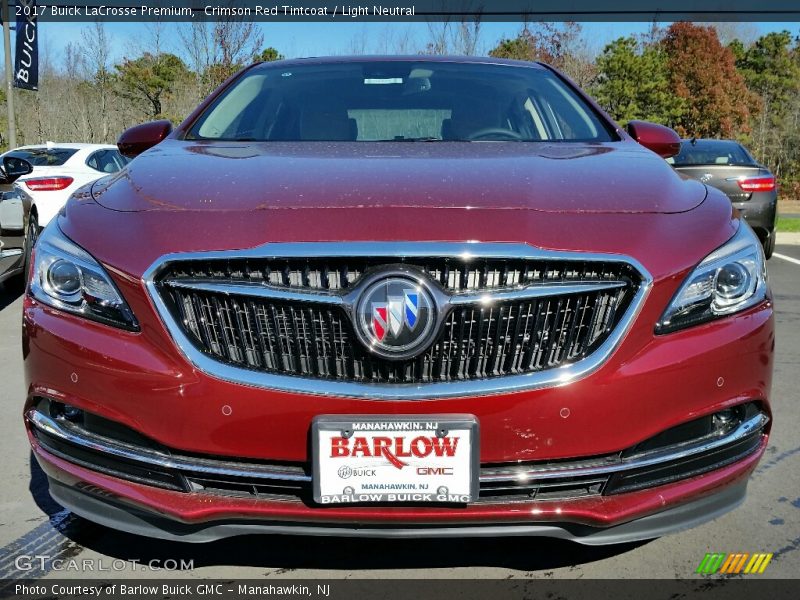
[
  {"x": 728, "y": 166},
  {"x": 16, "y": 236}
]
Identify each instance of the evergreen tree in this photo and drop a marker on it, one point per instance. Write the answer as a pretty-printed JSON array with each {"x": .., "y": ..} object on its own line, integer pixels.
[{"x": 633, "y": 83}]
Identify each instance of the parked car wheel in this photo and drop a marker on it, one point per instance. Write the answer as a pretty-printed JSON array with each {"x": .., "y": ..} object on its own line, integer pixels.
[
  {"x": 769, "y": 245},
  {"x": 30, "y": 241},
  {"x": 19, "y": 282}
]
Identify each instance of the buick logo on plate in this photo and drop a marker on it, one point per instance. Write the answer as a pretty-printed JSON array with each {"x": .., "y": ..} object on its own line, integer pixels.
[{"x": 395, "y": 316}]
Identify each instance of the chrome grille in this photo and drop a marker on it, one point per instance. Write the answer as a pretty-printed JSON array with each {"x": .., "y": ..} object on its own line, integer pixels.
[
  {"x": 216, "y": 305},
  {"x": 343, "y": 273}
]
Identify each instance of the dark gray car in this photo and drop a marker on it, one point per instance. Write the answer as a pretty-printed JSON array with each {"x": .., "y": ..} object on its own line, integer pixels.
[
  {"x": 16, "y": 237},
  {"x": 728, "y": 166}
]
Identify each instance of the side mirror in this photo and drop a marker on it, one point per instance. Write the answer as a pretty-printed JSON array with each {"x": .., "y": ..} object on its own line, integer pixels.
[
  {"x": 13, "y": 168},
  {"x": 661, "y": 140},
  {"x": 137, "y": 139}
]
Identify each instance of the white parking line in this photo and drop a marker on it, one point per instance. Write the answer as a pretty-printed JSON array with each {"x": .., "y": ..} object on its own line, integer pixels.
[{"x": 784, "y": 257}]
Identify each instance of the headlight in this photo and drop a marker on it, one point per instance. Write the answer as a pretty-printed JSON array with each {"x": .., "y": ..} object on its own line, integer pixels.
[
  {"x": 730, "y": 279},
  {"x": 66, "y": 277}
]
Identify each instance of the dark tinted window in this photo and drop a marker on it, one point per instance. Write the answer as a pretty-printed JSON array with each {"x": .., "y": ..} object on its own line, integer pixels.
[
  {"x": 43, "y": 157},
  {"x": 400, "y": 101},
  {"x": 106, "y": 161},
  {"x": 712, "y": 152}
]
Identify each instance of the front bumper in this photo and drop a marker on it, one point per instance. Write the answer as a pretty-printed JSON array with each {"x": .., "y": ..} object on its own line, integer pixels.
[
  {"x": 164, "y": 514},
  {"x": 650, "y": 384},
  {"x": 111, "y": 513}
]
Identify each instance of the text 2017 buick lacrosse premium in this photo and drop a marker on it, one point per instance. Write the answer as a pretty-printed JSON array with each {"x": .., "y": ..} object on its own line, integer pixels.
[{"x": 398, "y": 297}]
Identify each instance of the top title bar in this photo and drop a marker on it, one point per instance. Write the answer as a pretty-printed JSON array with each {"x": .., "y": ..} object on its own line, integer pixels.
[{"x": 419, "y": 10}]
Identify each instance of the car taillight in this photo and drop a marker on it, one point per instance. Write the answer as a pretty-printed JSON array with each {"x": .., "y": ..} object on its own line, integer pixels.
[
  {"x": 48, "y": 184},
  {"x": 757, "y": 184}
]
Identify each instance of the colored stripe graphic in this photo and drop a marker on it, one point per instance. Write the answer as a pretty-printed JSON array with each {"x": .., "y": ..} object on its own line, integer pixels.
[
  {"x": 711, "y": 563},
  {"x": 758, "y": 563},
  {"x": 733, "y": 563}
]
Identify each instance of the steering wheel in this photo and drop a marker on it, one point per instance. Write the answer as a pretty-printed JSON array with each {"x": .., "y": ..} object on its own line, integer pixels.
[{"x": 494, "y": 131}]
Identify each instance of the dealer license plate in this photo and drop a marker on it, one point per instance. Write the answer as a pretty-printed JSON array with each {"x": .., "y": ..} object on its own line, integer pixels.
[{"x": 395, "y": 459}]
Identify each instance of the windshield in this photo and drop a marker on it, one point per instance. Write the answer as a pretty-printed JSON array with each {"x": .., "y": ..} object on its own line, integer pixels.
[
  {"x": 400, "y": 101},
  {"x": 712, "y": 152}
]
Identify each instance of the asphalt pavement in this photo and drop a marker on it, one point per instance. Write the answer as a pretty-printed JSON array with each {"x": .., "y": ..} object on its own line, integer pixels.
[{"x": 32, "y": 524}]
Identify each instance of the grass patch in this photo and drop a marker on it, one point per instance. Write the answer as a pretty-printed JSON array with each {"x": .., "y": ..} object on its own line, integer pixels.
[{"x": 791, "y": 224}]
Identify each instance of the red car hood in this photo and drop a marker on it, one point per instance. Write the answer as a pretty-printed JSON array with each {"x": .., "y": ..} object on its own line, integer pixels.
[{"x": 618, "y": 177}]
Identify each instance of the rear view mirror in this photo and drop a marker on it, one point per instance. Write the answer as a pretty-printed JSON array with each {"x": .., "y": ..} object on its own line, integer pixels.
[
  {"x": 416, "y": 85},
  {"x": 661, "y": 140},
  {"x": 137, "y": 139},
  {"x": 13, "y": 168}
]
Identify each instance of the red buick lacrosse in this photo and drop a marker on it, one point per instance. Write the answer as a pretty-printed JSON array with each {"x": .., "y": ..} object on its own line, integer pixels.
[{"x": 398, "y": 296}]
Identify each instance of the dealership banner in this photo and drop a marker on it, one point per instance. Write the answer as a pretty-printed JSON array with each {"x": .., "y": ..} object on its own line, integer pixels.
[
  {"x": 415, "y": 10},
  {"x": 26, "y": 58}
]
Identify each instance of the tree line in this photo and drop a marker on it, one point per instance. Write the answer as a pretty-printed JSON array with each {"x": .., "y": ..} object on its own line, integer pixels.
[
  {"x": 90, "y": 98},
  {"x": 683, "y": 76}
]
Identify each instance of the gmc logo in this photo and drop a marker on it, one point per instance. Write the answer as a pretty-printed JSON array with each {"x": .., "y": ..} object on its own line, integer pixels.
[{"x": 434, "y": 471}]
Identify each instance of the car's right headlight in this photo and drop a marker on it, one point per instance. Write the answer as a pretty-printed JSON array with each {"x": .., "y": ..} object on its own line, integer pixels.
[
  {"x": 729, "y": 280},
  {"x": 68, "y": 278}
]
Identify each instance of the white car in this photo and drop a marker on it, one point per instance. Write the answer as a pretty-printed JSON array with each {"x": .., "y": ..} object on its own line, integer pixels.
[{"x": 60, "y": 169}]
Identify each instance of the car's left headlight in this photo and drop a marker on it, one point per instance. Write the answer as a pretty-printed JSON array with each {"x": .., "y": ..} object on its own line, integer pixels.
[
  {"x": 68, "y": 278},
  {"x": 729, "y": 280}
]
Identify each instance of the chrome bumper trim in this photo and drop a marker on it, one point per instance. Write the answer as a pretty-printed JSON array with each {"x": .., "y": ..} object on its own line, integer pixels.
[
  {"x": 72, "y": 434},
  {"x": 637, "y": 462},
  {"x": 69, "y": 433}
]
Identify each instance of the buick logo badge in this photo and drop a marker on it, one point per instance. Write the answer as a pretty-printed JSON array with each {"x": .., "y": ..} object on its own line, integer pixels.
[{"x": 395, "y": 316}]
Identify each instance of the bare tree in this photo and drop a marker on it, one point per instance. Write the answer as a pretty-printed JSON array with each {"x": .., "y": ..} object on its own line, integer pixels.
[
  {"x": 215, "y": 51},
  {"x": 156, "y": 42},
  {"x": 454, "y": 37},
  {"x": 467, "y": 36},
  {"x": 358, "y": 43},
  {"x": 236, "y": 42},
  {"x": 198, "y": 41},
  {"x": 392, "y": 39},
  {"x": 439, "y": 37},
  {"x": 747, "y": 33},
  {"x": 96, "y": 52}
]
